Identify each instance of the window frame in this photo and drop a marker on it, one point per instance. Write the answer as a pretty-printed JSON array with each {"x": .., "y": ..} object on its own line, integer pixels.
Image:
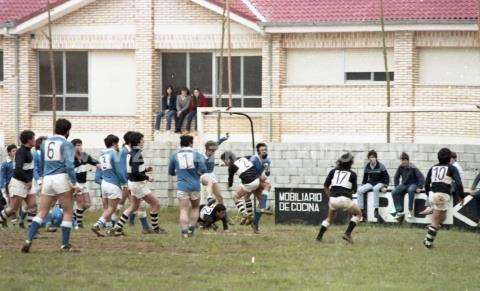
[
  {"x": 215, "y": 54},
  {"x": 64, "y": 94}
]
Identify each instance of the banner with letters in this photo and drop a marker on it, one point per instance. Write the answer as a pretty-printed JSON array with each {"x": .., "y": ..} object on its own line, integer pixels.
[
  {"x": 310, "y": 206},
  {"x": 302, "y": 205}
]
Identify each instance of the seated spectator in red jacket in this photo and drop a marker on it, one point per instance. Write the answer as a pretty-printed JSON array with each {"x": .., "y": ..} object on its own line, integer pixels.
[{"x": 198, "y": 100}]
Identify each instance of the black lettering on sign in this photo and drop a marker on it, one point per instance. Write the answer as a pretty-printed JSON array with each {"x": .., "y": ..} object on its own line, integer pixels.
[{"x": 299, "y": 205}]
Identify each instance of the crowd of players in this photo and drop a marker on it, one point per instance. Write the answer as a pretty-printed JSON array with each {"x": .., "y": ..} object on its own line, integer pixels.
[{"x": 57, "y": 169}]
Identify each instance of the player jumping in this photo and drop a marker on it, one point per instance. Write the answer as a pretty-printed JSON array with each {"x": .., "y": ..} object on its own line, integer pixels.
[
  {"x": 339, "y": 186},
  {"x": 250, "y": 184}
]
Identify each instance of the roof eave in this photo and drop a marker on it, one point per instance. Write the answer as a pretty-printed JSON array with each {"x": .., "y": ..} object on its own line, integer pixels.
[
  {"x": 370, "y": 26},
  {"x": 42, "y": 18}
]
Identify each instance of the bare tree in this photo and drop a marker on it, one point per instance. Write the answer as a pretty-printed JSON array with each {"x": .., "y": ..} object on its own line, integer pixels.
[
  {"x": 52, "y": 67},
  {"x": 385, "y": 60}
]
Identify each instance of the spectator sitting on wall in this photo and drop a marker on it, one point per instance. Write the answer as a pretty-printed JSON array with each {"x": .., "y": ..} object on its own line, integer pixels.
[
  {"x": 376, "y": 178},
  {"x": 183, "y": 106},
  {"x": 168, "y": 108},
  {"x": 198, "y": 100},
  {"x": 412, "y": 181}
]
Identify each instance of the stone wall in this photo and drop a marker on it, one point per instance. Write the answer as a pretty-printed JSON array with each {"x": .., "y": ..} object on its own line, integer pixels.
[{"x": 301, "y": 165}]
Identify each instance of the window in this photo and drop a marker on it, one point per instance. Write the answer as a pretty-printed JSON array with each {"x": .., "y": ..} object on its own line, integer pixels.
[
  {"x": 195, "y": 70},
  {"x": 368, "y": 76},
  {"x": 449, "y": 66},
  {"x": 1, "y": 66},
  {"x": 71, "y": 80},
  {"x": 246, "y": 81},
  {"x": 310, "y": 67}
]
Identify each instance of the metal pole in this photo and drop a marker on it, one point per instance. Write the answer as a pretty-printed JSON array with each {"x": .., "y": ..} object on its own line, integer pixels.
[
  {"x": 229, "y": 50},
  {"x": 387, "y": 74},
  {"x": 52, "y": 68},
  {"x": 218, "y": 99}
]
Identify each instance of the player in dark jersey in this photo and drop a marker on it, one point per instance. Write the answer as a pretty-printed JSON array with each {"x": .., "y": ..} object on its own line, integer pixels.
[
  {"x": 250, "y": 183},
  {"x": 339, "y": 186},
  {"x": 20, "y": 186},
  {"x": 438, "y": 186},
  {"x": 82, "y": 198},
  {"x": 211, "y": 213}
]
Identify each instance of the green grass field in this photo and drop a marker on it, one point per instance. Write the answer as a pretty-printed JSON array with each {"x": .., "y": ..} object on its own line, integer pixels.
[{"x": 286, "y": 258}]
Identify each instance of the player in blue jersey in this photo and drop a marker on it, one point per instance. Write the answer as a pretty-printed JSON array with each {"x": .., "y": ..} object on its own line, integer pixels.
[
  {"x": 112, "y": 181},
  {"x": 188, "y": 165},
  {"x": 6, "y": 173},
  {"x": 59, "y": 183}
]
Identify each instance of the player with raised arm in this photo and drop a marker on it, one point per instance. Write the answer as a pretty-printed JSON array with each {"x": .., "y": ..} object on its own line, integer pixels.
[
  {"x": 21, "y": 183},
  {"x": 59, "y": 183},
  {"x": 112, "y": 179},
  {"x": 188, "y": 165},
  {"x": 250, "y": 184},
  {"x": 339, "y": 186},
  {"x": 438, "y": 187},
  {"x": 209, "y": 179},
  {"x": 137, "y": 183},
  {"x": 82, "y": 198}
]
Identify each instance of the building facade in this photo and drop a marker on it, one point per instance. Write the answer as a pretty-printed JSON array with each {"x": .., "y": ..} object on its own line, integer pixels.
[{"x": 113, "y": 59}]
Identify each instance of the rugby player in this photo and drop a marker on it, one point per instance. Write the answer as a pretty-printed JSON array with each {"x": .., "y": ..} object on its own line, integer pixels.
[
  {"x": 59, "y": 183},
  {"x": 188, "y": 165},
  {"x": 438, "y": 186},
  {"x": 339, "y": 186}
]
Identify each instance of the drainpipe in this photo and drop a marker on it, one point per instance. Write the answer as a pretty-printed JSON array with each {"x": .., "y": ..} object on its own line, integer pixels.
[
  {"x": 17, "y": 93},
  {"x": 270, "y": 77}
]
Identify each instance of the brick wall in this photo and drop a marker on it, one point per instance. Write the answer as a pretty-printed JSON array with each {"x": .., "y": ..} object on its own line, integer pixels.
[
  {"x": 301, "y": 165},
  {"x": 151, "y": 20}
]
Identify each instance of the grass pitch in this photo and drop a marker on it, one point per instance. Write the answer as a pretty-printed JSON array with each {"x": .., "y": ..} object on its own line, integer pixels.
[{"x": 281, "y": 258}]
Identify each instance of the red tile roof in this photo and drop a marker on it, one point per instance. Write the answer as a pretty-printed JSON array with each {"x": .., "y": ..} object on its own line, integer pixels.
[
  {"x": 303, "y": 11},
  {"x": 21, "y": 10},
  {"x": 238, "y": 7},
  {"x": 318, "y": 11}
]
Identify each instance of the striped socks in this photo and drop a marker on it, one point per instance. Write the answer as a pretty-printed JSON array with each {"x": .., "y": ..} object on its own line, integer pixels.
[
  {"x": 122, "y": 221},
  {"x": 30, "y": 216},
  {"x": 154, "y": 220},
  {"x": 79, "y": 216},
  {"x": 430, "y": 236},
  {"x": 248, "y": 207}
]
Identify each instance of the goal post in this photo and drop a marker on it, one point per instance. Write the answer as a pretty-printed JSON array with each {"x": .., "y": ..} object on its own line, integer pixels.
[{"x": 203, "y": 111}]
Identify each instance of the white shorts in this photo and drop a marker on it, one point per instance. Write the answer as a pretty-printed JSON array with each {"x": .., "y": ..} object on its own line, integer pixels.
[
  {"x": 54, "y": 185},
  {"x": 188, "y": 195},
  {"x": 35, "y": 188},
  {"x": 341, "y": 202},
  {"x": 18, "y": 188},
  {"x": 252, "y": 186},
  {"x": 83, "y": 189},
  {"x": 139, "y": 189},
  {"x": 440, "y": 201},
  {"x": 208, "y": 178},
  {"x": 110, "y": 191}
]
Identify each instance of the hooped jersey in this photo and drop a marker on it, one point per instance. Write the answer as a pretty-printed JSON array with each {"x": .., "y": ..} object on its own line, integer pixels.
[
  {"x": 341, "y": 183},
  {"x": 244, "y": 169},
  {"x": 441, "y": 177}
]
